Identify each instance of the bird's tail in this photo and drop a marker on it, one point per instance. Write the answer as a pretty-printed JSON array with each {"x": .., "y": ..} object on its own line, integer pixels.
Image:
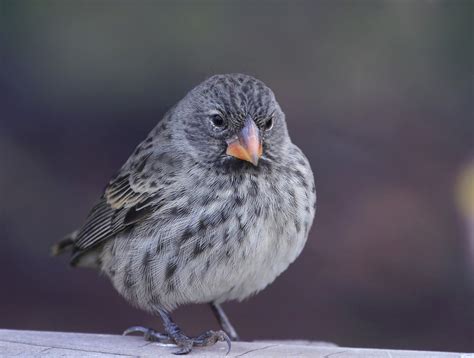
[{"x": 65, "y": 245}]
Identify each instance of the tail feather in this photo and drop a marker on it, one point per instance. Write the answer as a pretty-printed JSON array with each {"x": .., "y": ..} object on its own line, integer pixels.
[
  {"x": 65, "y": 245},
  {"x": 90, "y": 258}
]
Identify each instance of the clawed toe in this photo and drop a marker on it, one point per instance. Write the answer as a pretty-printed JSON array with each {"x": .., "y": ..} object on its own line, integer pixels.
[
  {"x": 149, "y": 334},
  {"x": 210, "y": 338},
  {"x": 184, "y": 348}
]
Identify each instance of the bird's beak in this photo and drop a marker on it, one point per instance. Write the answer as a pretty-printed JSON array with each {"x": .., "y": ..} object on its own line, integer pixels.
[{"x": 247, "y": 145}]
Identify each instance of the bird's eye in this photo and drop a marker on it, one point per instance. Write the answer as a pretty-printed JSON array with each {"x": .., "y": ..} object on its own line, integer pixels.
[
  {"x": 268, "y": 123},
  {"x": 217, "y": 121}
]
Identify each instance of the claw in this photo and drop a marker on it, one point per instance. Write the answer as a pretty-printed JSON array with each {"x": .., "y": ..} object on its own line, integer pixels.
[
  {"x": 184, "y": 348},
  {"x": 135, "y": 329},
  {"x": 149, "y": 334},
  {"x": 182, "y": 351},
  {"x": 228, "y": 341}
]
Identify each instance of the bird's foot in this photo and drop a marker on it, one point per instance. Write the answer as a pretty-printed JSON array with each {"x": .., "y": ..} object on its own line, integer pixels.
[
  {"x": 184, "y": 343},
  {"x": 149, "y": 334},
  {"x": 208, "y": 338}
]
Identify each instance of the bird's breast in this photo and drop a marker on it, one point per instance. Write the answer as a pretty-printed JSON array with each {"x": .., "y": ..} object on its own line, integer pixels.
[{"x": 214, "y": 240}]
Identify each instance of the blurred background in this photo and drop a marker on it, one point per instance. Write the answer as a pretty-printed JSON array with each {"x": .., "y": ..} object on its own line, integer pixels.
[{"x": 378, "y": 94}]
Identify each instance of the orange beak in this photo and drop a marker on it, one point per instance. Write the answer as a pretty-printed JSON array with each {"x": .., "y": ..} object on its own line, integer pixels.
[{"x": 247, "y": 145}]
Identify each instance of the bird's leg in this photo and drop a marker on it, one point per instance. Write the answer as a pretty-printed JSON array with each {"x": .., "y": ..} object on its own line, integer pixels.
[
  {"x": 224, "y": 321},
  {"x": 186, "y": 343},
  {"x": 149, "y": 334},
  {"x": 182, "y": 341}
]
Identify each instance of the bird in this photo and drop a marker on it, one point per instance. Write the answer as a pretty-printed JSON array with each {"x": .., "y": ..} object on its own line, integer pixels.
[{"x": 210, "y": 207}]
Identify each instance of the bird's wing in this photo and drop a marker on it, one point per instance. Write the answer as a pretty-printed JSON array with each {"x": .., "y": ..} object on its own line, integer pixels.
[{"x": 128, "y": 199}]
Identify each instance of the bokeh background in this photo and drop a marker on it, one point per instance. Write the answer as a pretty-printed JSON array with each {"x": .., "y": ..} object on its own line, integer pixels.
[{"x": 378, "y": 94}]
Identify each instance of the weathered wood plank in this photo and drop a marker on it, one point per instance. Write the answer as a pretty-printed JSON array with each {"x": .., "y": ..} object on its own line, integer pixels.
[{"x": 55, "y": 344}]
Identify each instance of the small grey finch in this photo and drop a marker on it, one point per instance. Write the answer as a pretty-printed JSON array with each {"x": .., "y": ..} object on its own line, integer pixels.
[{"x": 212, "y": 206}]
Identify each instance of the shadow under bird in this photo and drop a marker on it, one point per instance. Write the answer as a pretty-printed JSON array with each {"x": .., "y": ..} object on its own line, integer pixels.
[{"x": 212, "y": 206}]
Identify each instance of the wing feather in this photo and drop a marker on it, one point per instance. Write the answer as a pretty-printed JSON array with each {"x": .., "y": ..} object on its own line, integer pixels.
[{"x": 127, "y": 200}]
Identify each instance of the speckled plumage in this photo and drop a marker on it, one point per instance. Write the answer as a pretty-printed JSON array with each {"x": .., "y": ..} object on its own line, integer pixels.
[{"x": 182, "y": 222}]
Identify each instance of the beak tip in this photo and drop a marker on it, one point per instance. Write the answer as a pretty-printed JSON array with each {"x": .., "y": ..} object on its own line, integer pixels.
[{"x": 246, "y": 145}]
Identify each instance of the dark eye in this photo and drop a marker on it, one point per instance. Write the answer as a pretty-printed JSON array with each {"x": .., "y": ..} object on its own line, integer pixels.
[
  {"x": 268, "y": 124},
  {"x": 217, "y": 121}
]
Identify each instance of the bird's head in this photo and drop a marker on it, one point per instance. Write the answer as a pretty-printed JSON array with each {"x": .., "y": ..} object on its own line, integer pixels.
[{"x": 232, "y": 120}]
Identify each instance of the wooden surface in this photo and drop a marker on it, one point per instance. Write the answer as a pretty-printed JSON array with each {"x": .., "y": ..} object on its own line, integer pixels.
[{"x": 58, "y": 344}]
